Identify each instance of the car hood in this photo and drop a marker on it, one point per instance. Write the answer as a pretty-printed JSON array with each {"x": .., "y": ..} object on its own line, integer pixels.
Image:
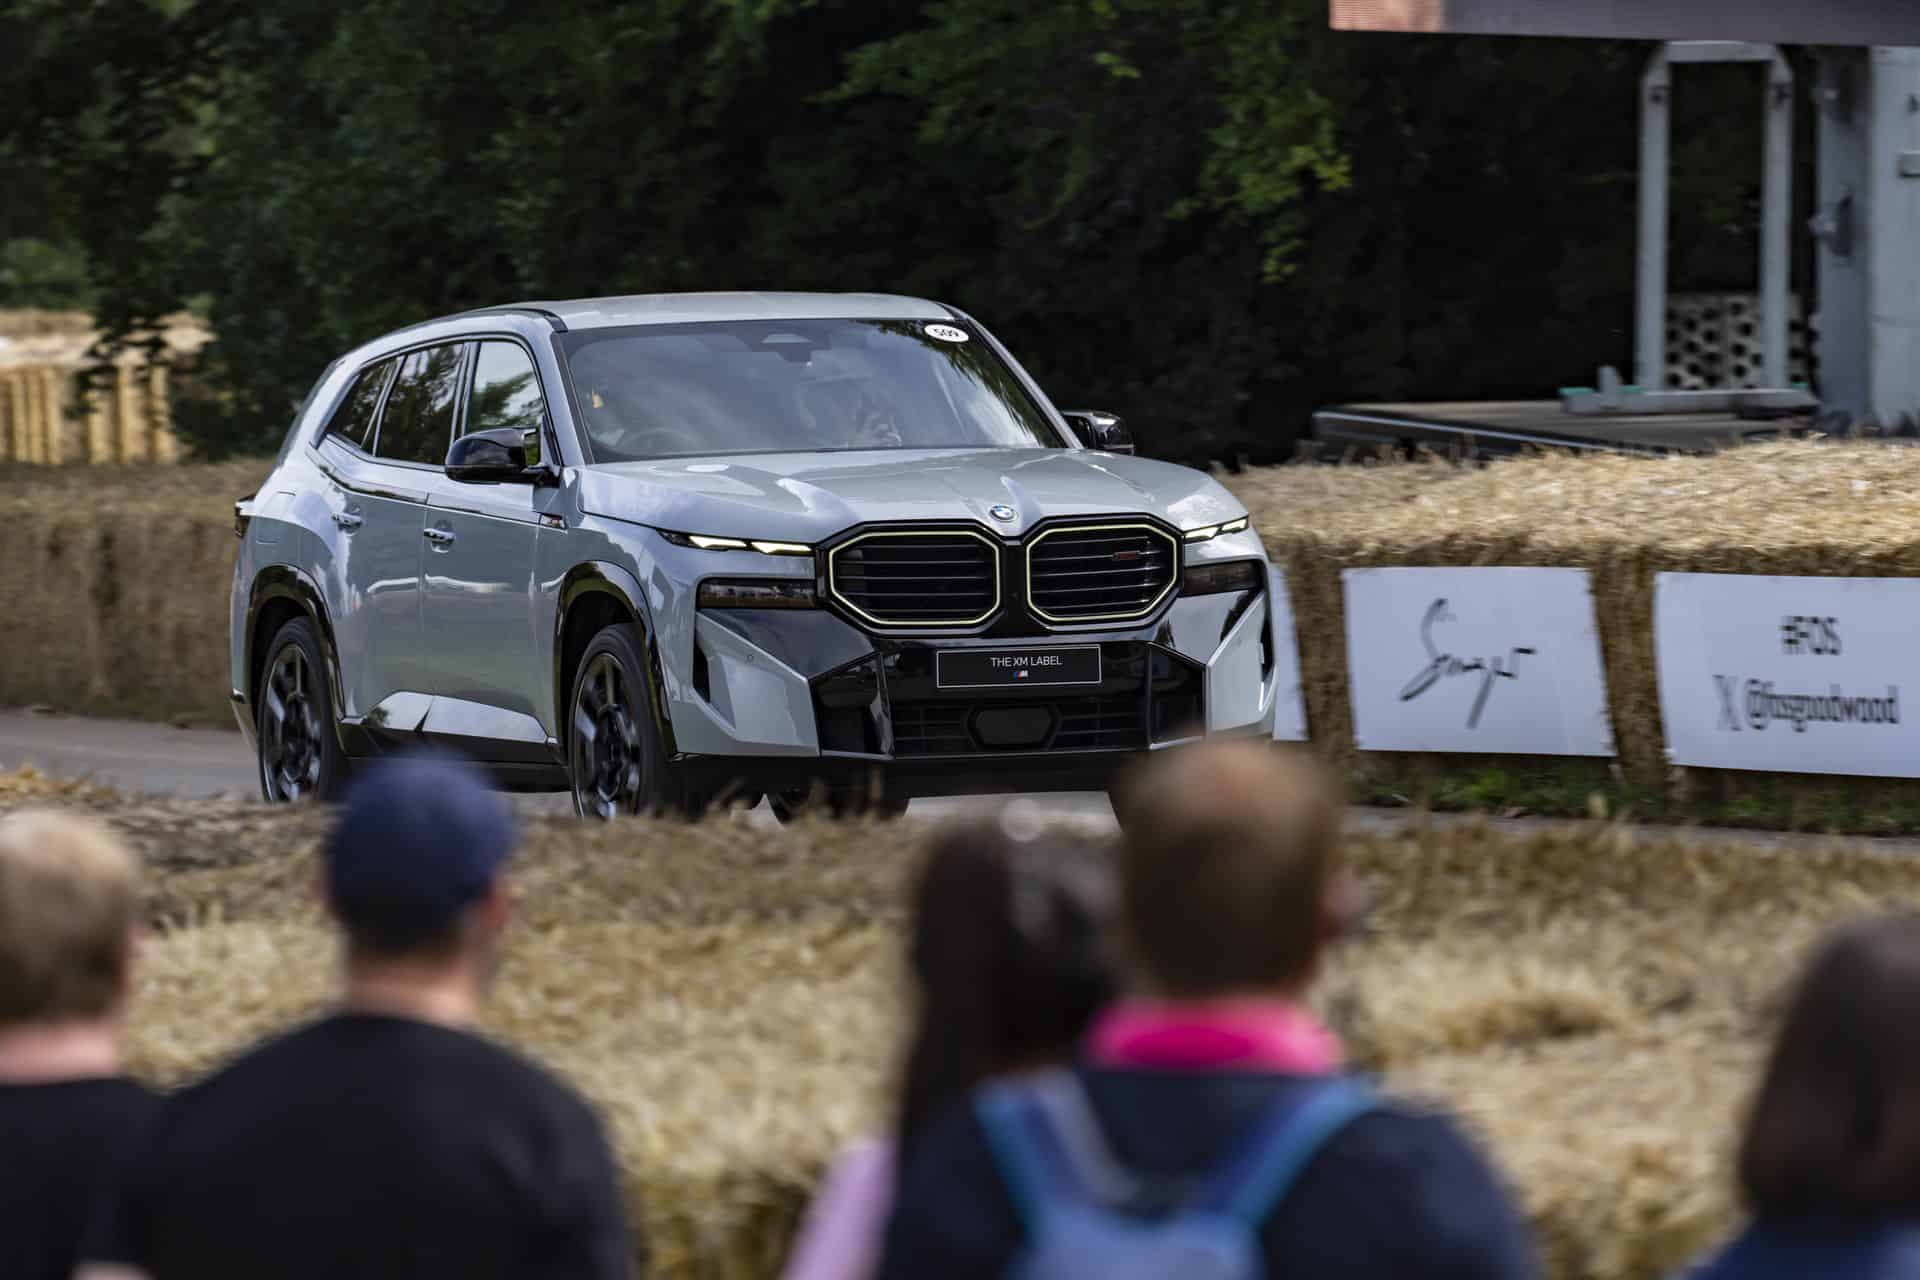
[{"x": 806, "y": 497}]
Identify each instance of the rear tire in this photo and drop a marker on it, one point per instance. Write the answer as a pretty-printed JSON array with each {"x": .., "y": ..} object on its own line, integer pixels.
[
  {"x": 615, "y": 755},
  {"x": 296, "y": 747}
]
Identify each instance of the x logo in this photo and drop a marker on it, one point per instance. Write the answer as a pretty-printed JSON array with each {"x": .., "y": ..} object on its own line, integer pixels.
[{"x": 1729, "y": 713}]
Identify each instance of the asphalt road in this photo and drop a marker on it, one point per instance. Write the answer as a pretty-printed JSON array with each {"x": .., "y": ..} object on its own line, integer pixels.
[
  {"x": 135, "y": 755},
  {"x": 139, "y": 756}
]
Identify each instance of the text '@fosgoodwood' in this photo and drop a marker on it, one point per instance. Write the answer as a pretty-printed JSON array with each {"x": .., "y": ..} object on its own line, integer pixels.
[{"x": 1755, "y": 704}]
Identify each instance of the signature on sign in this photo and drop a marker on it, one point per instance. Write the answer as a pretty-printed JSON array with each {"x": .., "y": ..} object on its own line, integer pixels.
[{"x": 1441, "y": 666}]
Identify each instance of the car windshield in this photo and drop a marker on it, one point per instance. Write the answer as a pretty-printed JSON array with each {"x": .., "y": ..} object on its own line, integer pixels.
[{"x": 666, "y": 391}]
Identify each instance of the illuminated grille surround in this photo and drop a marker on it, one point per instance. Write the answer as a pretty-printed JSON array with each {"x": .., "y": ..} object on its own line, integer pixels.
[
  {"x": 1130, "y": 614},
  {"x": 916, "y": 624},
  {"x": 1003, "y": 547}
]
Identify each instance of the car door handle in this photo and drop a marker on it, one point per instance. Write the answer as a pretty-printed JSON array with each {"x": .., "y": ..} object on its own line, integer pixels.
[
  {"x": 439, "y": 537},
  {"x": 347, "y": 520}
]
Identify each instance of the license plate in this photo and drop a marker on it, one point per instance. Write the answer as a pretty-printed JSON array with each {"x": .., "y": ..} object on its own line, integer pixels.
[{"x": 1016, "y": 668}]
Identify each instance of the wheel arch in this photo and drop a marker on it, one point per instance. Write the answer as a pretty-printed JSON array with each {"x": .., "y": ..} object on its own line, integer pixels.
[
  {"x": 593, "y": 595},
  {"x": 281, "y": 593}
]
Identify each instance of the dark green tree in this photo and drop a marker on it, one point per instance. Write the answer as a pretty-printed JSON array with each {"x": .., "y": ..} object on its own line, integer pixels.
[{"x": 1207, "y": 215}]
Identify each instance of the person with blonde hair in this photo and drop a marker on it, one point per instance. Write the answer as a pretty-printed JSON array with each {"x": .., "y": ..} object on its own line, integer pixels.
[{"x": 69, "y": 911}]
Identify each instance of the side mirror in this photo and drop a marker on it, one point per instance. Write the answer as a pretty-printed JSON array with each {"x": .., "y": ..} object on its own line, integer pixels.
[
  {"x": 1098, "y": 429},
  {"x": 489, "y": 457}
]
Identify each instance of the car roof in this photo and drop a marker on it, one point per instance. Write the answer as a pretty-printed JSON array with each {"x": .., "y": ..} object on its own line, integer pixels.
[{"x": 689, "y": 308}]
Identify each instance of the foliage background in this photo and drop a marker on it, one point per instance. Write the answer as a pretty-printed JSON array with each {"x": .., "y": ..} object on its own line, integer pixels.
[{"x": 1208, "y": 215}]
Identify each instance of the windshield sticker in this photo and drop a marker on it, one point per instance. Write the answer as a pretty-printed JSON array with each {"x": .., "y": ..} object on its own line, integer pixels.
[{"x": 946, "y": 333}]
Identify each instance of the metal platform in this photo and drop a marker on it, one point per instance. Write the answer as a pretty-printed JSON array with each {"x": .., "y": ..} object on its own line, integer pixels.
[{"x": 1498, "y": 427}]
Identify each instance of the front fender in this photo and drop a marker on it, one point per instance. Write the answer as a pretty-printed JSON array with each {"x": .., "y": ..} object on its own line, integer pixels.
[
  {"x": 604, "y": 578},
  {"x": 284, "y": 582}
]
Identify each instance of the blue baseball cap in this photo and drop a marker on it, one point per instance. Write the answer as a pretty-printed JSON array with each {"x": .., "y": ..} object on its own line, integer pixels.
[{"x": 421, "y": 837}]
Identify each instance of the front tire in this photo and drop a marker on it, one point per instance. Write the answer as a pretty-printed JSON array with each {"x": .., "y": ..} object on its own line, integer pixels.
[
  {"x": 615, "y": 754},
  {"x": 298, "y": 753}
]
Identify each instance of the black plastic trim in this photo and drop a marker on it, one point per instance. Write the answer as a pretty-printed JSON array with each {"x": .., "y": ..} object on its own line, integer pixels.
[
  {"x": 596, "y": 577},
  {"x": 284, "y": 582},
  {"x": 1006, "y": 774},
  {"x": 559, "y": 325},
  {"x": 1038, "y": 771}
]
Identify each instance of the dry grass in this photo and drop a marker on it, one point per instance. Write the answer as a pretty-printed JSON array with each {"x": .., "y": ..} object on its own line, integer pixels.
[{"x": 1592, "y": 1003}]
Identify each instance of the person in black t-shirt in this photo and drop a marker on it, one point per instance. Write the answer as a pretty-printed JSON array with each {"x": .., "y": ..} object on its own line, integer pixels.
[
  {"x": 69, "y": 899},
  {"x": 387, "y": 1139}
]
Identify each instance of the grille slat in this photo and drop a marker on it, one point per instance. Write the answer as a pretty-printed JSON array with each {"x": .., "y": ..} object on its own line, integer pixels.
[
  {"x": 1142, "y": 566},
  {"x": 1112, "y": 722},
  {"x": 1109, "y": 588},
  {"x": 880, "y": 580},
  {"x": 883, "y": 578},
  {"x": 1092, "y": 537},
  {"x": 1066, "y": 583},
  {"x": 1049, "y": 557}
]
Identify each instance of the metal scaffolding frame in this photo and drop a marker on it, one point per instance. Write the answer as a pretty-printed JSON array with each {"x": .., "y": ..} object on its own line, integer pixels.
[
  {"x": 1776, "y": 205},
  {"x": 1865, "y": 229}
]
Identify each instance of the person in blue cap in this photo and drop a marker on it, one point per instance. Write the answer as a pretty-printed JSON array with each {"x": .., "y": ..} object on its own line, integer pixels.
[{"x": 387, "y": 1138}]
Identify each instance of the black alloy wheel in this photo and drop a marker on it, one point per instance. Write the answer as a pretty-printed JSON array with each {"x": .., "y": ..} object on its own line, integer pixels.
[
  {"x": 615, "y": 755},
  {"x": 299, "y": 754}
]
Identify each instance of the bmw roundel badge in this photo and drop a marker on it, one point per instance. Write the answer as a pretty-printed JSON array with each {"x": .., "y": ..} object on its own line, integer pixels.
[{"x": 1002, "y": 512}]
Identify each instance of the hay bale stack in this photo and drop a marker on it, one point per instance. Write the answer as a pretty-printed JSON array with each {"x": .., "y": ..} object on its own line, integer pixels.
[
  {"x": 126, "y": 570},
  {"x": 116, "y": 581},
  {"x": 1593, "y": 1003},
  {"x": 1842, "y": 510}
]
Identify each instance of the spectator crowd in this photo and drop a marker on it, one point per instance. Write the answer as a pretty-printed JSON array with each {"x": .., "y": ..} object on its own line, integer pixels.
[{"x": 1113, "y": 1070}]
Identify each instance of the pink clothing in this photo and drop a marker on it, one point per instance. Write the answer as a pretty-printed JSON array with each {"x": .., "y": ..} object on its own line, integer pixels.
[
  {"x": 1227, "y": 1035},
  {"x": 841, "y": 1235}
]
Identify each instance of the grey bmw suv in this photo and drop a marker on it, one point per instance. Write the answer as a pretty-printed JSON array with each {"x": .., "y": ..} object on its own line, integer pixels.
[{"x": 670, "y": 551}]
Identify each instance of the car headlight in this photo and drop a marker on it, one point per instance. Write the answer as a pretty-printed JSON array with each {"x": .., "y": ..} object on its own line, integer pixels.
[
  {"x": 710, "y": 542},
  {"x": 1215, "y": 530},
  {"x": 1228, "y": 575},
  {"x": 756, "y": 593}
]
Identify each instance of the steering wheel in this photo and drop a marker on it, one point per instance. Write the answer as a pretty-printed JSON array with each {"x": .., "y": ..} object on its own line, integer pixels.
[{"x": 671, "y": 440}]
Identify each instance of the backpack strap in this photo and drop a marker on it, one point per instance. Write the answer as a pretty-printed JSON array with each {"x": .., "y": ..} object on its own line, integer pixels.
[
  {"x": 1049, "y": 1146},
  {"x": 1286, "y": 1141}
]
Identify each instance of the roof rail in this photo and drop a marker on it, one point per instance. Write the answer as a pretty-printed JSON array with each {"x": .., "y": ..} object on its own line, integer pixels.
[{"x": 559, "y": 325}]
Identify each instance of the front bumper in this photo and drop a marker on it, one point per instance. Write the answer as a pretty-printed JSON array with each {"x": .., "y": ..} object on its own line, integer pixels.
[{"x": 775, "y": 699}]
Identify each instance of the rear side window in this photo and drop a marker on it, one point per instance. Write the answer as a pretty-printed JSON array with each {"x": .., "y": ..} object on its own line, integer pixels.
[
  {"x": 353, "y": 420},
  {"x": 505, "y": 391},
  {"x": 418, "y": 423}
]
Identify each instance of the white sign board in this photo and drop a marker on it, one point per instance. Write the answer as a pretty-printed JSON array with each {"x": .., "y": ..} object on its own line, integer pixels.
[
  {"x": 1289, "y": 706},
  {"x": 1795, "y": 675},
  {"x": 1493, "y": 660}
]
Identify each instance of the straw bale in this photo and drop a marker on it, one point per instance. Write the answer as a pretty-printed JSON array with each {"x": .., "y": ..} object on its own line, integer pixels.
[
  {"x": 127, "y": 568},
  {"x": 730, "y": 1061},
  {"x": 1618, "y": 1145},
  {"x": 69, "y": 338},
  {"x": 1823, "y": 509},
  {"x": 117, "y": 580},
  {"x": 1592, "y": 1003}
]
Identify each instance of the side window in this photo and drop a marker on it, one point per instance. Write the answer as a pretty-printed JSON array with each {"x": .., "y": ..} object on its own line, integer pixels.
[
  {"x": 418, "y": 423},
  {"x": 353, "y": 420},
  {"x": 506, "y": 392}
]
